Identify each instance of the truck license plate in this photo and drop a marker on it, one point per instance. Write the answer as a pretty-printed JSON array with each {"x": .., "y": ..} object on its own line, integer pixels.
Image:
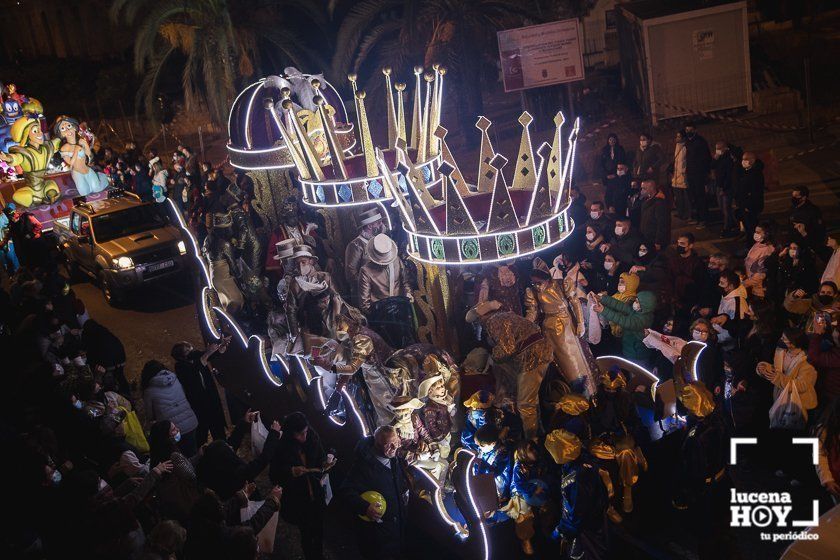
[{"x": 160, "y": 266}]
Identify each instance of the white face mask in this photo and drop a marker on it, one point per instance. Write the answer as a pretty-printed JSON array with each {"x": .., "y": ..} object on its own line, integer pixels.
[
  {"x": 342, "y": 335},
  {"x": 594, "y": 215},
  {"x": 621, "y": 172},
  {"x": 622, "y": 288},
  {"x": 590, "y": 236},
  {"x": 697, "y": 335},
  {"x": 745, "y": 164},
  {"x": 793, "y": 253},
  {"x": 80, "y": 361},
  {"x": 642, "y": 252},
  {"x": 305, "y": 269},
  {"x": 758, "y": 238},
  {"x": 637, "y": 306},
  {"x": 718, "y": 153},
  {"x": 608, "y": 265},
  {"x": 619, "y": 230}
]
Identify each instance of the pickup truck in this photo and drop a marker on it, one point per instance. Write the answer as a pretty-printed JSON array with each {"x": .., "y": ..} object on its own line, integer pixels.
[{"x": 121, "y": 242}]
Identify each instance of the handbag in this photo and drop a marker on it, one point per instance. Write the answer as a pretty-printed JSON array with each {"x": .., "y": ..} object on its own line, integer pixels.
[
  {"x": 787, "y": 412},
  {"x": 134, "y": 434}
]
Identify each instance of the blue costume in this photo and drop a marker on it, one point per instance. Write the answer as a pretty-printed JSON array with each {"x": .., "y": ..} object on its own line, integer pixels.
[
  {"x": 7, "y": 250},
  {"x": 497, "y": 462},
  {"x": 584, "y": 499}
]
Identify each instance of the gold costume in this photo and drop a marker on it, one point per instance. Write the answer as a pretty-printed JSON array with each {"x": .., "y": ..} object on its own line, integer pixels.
[
  {"x": 33, "y": 157},
  {"x": 562, "y": 325}
]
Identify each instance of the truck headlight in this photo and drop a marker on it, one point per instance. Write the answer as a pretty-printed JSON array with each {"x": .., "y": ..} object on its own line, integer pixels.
[
  {"x": 123, "y": 263},
  {"x": 182, "y": 248}
]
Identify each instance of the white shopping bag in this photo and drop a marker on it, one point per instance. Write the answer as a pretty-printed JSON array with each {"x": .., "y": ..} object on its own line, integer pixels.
[
  {"x": 258, "y": 434},
  {"x": 265, "y": 538},
  {"x": 594, "y": 330},
  {"x": 787, "y": 412}
]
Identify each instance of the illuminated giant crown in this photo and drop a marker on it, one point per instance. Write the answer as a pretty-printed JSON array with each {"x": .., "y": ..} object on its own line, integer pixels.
[{"x": 448, "y": 220}]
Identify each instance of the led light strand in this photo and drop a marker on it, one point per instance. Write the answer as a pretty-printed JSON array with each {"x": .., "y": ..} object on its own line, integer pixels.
[{"x": 473, "y": 503}]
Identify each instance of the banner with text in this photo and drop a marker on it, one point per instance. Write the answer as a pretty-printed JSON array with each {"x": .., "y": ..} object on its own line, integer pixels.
[{"x": 541, "y": 55}]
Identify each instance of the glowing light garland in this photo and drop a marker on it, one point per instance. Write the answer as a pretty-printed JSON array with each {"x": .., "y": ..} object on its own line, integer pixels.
[
  {"x": 477, "y": 512},
  {"x": 461, "y": 531}
]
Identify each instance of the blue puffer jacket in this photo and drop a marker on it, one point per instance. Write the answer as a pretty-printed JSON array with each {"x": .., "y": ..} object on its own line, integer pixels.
[{"x": 165, "y": 400}]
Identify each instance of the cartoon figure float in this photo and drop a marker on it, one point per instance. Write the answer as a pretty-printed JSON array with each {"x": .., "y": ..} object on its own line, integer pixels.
[
  {"x": 76, "y": 153},
  {"x": 32, "y": 155}
]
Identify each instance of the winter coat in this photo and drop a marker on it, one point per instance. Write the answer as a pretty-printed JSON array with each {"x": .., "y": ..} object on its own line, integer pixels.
[
  {"x": 724, "y": 171},
  {"x": 749, "y": 189},
  {"x": 697, "y": 157},
  {"x": 653, "y": 223},
  {"x": 801, "y": 374},
  {"x": 608, "y": 160},
  {"x": 825, "y": 357},
  {"x": 650, "y": 158},
  {"x": 165, "y": 400},
  {"x": 632, "y": 322},
  {"x": 686, "y": 275},
  {"x": 383, "y": 539},
  {"x": 678, "y": 167},
  {"x": 301, "y": 494},
  {"x": 200, "y": 388}
]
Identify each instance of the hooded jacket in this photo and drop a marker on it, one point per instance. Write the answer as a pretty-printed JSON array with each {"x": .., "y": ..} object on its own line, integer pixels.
[
  {"x": 165, "y": 400},
  {"x": 654, "y": 220},
  {"x": 632, "y": 322}
]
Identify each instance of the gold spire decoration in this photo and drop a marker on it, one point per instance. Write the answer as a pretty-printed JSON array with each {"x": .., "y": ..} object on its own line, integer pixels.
[
  {"x": 291, "y": 144},
  {"x": 423, "y": 144},
  {"x": 486, "y": 172},
  {"x": 456, "y": 176},
  {"x": 391, "y": 111},
  {"x": 439, "y": 106},
  {"x": 306, "y": 148},
  {"x": 553, "y": 163},
  {"x": 400, "y": 87},
  {"x": 434, "y": 144},
  {"x": 525, "y": 173},
  {"x": 364, "y": 134},
  {"x": 336, "y": 153},
  {"x": 416, "y": 117},
  {"x": 353, "y": 78}
]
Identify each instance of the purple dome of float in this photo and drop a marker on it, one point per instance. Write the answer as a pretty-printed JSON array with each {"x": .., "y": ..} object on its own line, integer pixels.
[{"x": 256, "y": 141}]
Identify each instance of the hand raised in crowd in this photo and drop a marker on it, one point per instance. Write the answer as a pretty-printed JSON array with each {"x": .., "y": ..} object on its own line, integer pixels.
[
  {"x": 799, "y": 294},
  {"x": 251, "y": 416},
  {"x": 249, "y": 488},
  {"x": 163, "y": 467}
]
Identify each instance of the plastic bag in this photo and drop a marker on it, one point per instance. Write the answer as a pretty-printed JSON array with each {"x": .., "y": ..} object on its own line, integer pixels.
[
  {"x": 594, "y": 330},
  {"x": 328, "y": 493},
  {"x": 258, "y": 434},
  {"x": 265, "y": 538},
  {"x": 134, "y": 434},
  {"x": 787, "y": 412}
]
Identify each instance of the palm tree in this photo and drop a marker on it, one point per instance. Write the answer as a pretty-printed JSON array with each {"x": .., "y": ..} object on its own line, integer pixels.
[
  {"x": 222, "y": 43},
  {"x": 460, "y": 34}
]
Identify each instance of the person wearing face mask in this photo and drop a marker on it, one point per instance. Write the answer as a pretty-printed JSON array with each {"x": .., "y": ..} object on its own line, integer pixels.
[
  {"x": 710, "y": 363},
  {"x": 806, "y": 308},
  {"x": 606, "y": 279},
  {"x": 554, "y": 304},
  {"x": 295, "y": 225},
  {"x": 626, "y": 241},
  {"x": 611, "y": 155},
  {"x": 749, "y": 191},
  {"x": 697, "y": 166},
  {"x": 648, "y": 159},
  {"x": 633, "y": 318},
  {"x": 165, "y": 400},
  {"x": 598, "y": 217},
  {"x": 686, "y": 274},
  {"x": 617, "y": 190},
  {"x": 626, "y": 291},
  {"x": 760, "y": 259},
  {"x": 177, "y": 492},
  {"x": 593, "y": 257},
  {"x": 678, "y": 183},
  {"x": 194, "y": 370},
  {"x": 797, "y": 270},
  {"x": 654, "y": 216},
  {"x": 726, "y": 158},
  {"x": 809, "y": 215},
  {"x": 371, "y": 224}
]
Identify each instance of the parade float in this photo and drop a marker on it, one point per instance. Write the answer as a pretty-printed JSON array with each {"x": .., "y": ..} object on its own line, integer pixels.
[
  {"x": 43, "y": 169},
  {"x": 297, "y": 124}
]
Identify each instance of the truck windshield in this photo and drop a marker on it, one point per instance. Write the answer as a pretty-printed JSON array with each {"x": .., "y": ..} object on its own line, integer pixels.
[{"x": 126, "y": 222}]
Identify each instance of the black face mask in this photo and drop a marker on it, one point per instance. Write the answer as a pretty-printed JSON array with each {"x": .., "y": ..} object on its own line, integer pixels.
[
  {"x": 825, "y": 299},
  {"x": 682, "y": 250},
  {"x": 690, "y": 134},
  {"x": 724, "y": 291},
  {"x": 795, "y": 200}
]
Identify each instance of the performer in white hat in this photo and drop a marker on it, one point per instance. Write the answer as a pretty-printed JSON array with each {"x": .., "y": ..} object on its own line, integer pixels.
[
  {"x": 355, "y": 256},
  {"x": 383, "y": 275}
]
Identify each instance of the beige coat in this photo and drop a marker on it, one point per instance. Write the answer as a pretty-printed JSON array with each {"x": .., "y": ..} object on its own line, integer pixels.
[
  {"x": 678, "y": 181},
  {"x": 801, "y": 374},
  {"x": 355, "y": 256},
  {"x": 377, "y": 282}
]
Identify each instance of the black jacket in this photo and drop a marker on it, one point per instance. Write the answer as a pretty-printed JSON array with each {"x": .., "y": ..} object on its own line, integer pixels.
[
  {"x": 749, "y": 190},
  {"x": 724, "y": 170},
  {"x": 697, "y": 157},
  {"x": 368, "y": 473},
  {"x": 608, "y": 163},
  {"x": 626, "y": 247},
  {"x": 651, "y": 158},
  {"x": 102, "y": 346},
  {"x": 301, "y": 494},
  {"x": 654, "y": 220},
  {"x": 200, "y": 389}
]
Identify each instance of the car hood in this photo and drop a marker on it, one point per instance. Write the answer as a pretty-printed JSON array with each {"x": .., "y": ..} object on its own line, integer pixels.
[{"x": 139, "y": 241}]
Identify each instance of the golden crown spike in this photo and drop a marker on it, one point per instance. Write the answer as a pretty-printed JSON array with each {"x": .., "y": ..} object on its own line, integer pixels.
[{"x": 416, "y": 113}]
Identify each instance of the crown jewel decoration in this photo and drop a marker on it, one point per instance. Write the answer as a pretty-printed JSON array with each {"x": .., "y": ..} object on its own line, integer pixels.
[{"x": 514, "y": 208}]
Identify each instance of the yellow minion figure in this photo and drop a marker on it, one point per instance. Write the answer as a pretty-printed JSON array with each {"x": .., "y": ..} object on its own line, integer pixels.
[{"x": 32, "y": 155}]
